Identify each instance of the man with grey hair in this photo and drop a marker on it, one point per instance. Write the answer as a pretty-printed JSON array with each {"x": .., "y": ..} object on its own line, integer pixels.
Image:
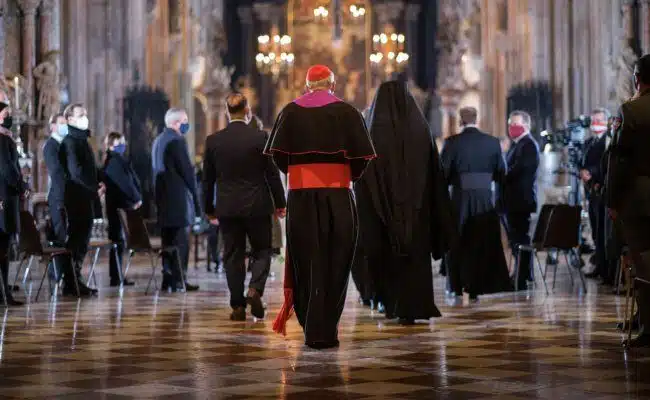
[
  {"x": 176, "y": 196},
  {"x": 519, "y": 192},
  {"x": 591, "y": 174}
]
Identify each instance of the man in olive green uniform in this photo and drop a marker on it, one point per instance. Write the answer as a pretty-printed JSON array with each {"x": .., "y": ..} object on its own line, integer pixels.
[{"x": 628, "y": 185}]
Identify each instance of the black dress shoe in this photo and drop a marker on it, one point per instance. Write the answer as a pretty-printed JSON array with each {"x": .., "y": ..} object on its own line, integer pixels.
[
  {"x": 125, "y": 283},
  {"x": 238, "y": 314},
  {"x": 11, "y": 301},
  {"x": 254, "y": 300},
  {"x": 642, "y": 340},
  {"x": 191, "y": 288},
  {"x": 322, "y": 345}
]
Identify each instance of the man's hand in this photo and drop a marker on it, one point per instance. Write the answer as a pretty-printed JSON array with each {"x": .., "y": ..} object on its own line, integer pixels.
[
  {"x": 101, "y": 190},
  {"x": 212, "y": 219},
  {"x": 137, "y": 205},
  {"x": 26, "y": 194},
  {"x": 585, "y": 175},
  {"x": 281, "y": 212}
]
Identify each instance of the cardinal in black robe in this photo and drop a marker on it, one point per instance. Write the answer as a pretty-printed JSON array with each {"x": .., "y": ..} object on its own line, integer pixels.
[
  {"x": 403, "y": 207},
  {"x": 322, "y": 144},
  {"x": 472, "y": 161}
]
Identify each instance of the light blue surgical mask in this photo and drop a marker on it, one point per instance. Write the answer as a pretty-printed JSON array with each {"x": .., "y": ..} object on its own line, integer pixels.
[
  {"x": 62, "y": 130},
  {"x": 185, "y": 127},
  {"x": 120, "y": 148}
]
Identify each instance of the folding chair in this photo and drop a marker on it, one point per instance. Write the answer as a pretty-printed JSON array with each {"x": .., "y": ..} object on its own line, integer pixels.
[
  {"x": 538, "y": 237},
  {"x": 138, "y": 240},
  {"x": 98, "y": 244},
  {"x": 30, "y": 245},
  {"x": 631, "y": 300}
]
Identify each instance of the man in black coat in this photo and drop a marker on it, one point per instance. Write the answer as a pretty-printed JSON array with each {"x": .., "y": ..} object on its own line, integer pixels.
[
  {"x": 248, "y": 190},
  {"x": 122, "y": 192},
  {"x": 472, "y": 161},
  {"x": 519, "y": 193},
  {"x": 12, "y": 187},
  {"x": 176, "y": 195},
  {"x": 80, "y": 193},
  {"x": 56, "y": 186},
  {"x": 592, "y": 176}
]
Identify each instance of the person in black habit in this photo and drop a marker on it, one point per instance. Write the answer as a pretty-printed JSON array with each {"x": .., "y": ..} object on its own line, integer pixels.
[
  {"x": 322, "y": 144},
  {"x": 122, "y": 192},
  {"x": 82, "y": 188},
  {"x": 56, "y": 186},
  {"x": 403, "y": 204},
  {"x": 473, "y": 161},
  {"x": 248, "y": 190},
  {"x": 176, "y": 196},
  {"x": 12, "y": 189},
  {"x": 519, "y": 191},
  {"x": 591, "y": 174}
]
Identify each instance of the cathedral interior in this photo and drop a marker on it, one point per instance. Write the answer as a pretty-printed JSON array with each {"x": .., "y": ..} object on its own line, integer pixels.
[{"x": 128, "y": 61}]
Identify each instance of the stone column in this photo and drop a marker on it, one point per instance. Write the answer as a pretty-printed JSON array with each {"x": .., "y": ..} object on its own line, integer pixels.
[
  {"x": 248, "y": 51},
  {"x": 412, "y": 14},
  {"x": 3, "y": 6},
  {"x": 46, "y": 26},
  {"x": 644, "y": 25},
  {"x": 270, "y": 16},
  {"x": 28, "y": 57}
]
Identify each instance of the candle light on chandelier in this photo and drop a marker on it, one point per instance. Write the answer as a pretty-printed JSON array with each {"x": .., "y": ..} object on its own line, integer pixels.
[
  {"x": 388, "y": 52},
  {"x": 274, "y": 54}
]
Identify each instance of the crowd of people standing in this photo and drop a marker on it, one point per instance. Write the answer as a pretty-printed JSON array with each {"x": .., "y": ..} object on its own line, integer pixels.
[{"x": 371, "y": 196}]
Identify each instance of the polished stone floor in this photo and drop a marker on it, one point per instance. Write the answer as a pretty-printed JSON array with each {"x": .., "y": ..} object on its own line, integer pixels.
[{"x": 127, "y": 344}]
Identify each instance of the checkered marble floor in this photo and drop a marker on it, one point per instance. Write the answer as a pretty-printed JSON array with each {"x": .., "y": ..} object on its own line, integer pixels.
[{"x": 128, "y": 345}]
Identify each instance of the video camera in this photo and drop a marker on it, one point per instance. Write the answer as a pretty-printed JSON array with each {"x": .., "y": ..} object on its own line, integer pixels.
[{"x": 572, "y": 138}]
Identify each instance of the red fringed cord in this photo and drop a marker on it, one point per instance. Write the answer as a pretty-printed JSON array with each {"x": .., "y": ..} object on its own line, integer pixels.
[{"x": 280, "y": 323}]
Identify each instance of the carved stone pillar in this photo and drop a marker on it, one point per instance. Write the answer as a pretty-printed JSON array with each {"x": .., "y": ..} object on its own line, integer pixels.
[
  {"x": 412, "y": 14},
  {"x": 28, "y": 58},
  {"x": 246, "y": 17},
  {"x": 3, "y": 6},
  {"x": 46, "y": 26},
  {"x": 644, "y": 24}
]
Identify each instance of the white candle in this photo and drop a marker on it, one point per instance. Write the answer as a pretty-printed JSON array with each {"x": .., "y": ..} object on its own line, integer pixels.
[{"x": 17, "y": 91}]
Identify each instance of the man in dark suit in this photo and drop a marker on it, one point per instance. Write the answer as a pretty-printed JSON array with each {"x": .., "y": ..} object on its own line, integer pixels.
[
  {"x": 248, "y": 190},
  {"x": 593, "y": 179},
  {"x": 56, "y": 185},
  {"x": 12, "y": 188},
  {"x": 176, "y": 195},
  {"x": 628, "y": 186},
  {"x": 519, "y": 193},
  {"x": 81, "y": 191}
]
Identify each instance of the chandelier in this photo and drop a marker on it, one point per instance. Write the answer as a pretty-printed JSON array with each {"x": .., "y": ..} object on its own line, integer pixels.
[
  {"x": 355, "y": 12},
  {"x": 274, "y": 55},
  {"x": 388, "y": 54}
]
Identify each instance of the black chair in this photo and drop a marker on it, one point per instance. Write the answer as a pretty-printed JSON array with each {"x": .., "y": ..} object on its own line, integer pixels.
[
  {"x": 30, "y": 246},
  {"x": 558, "y": 228},
  {"x": 138, "y": 240},
  {"x": 538, "y": 237},
  {"x": 631, "y": 300}
]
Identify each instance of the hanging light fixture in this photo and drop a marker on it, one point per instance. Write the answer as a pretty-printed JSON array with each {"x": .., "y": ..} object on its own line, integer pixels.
[
  {"x": 274, "y": 55},
  {"x": 388, "y": 54}
]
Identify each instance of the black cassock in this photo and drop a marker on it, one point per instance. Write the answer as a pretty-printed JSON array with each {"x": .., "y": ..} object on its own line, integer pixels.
[
  {"x": 472, "y": 160},
  {"x": 312, "y": 134},
  {"x": 403, "y": 206}
]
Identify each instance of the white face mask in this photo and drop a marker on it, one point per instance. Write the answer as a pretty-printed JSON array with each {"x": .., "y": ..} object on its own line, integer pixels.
[{"x": 82, "y": 123}]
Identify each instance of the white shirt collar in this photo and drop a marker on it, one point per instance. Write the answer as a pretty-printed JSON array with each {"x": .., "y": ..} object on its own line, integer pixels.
[
  {"x": 238, "y": 120},
  {"x": 521, "y": 137},
  {"x": 469, "y": 126}
]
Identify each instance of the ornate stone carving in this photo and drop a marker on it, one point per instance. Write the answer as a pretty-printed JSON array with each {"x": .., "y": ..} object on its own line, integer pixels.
[
  {"x": 48, "y": 84},
  {"x": 29, "y": 7},
  {"x": 452, "y": 43},
  {"x": 47, "y": 7}
]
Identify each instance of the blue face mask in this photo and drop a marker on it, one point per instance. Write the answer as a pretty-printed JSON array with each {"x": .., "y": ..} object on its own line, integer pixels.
[
  {"x": 62, "y": 130},
  {"x": 120, "y": 148},
  {"x": 185, "y": 128}
]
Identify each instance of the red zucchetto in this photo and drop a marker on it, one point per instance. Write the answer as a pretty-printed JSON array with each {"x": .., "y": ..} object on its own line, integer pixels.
[{"x": 319, "y": 73}]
